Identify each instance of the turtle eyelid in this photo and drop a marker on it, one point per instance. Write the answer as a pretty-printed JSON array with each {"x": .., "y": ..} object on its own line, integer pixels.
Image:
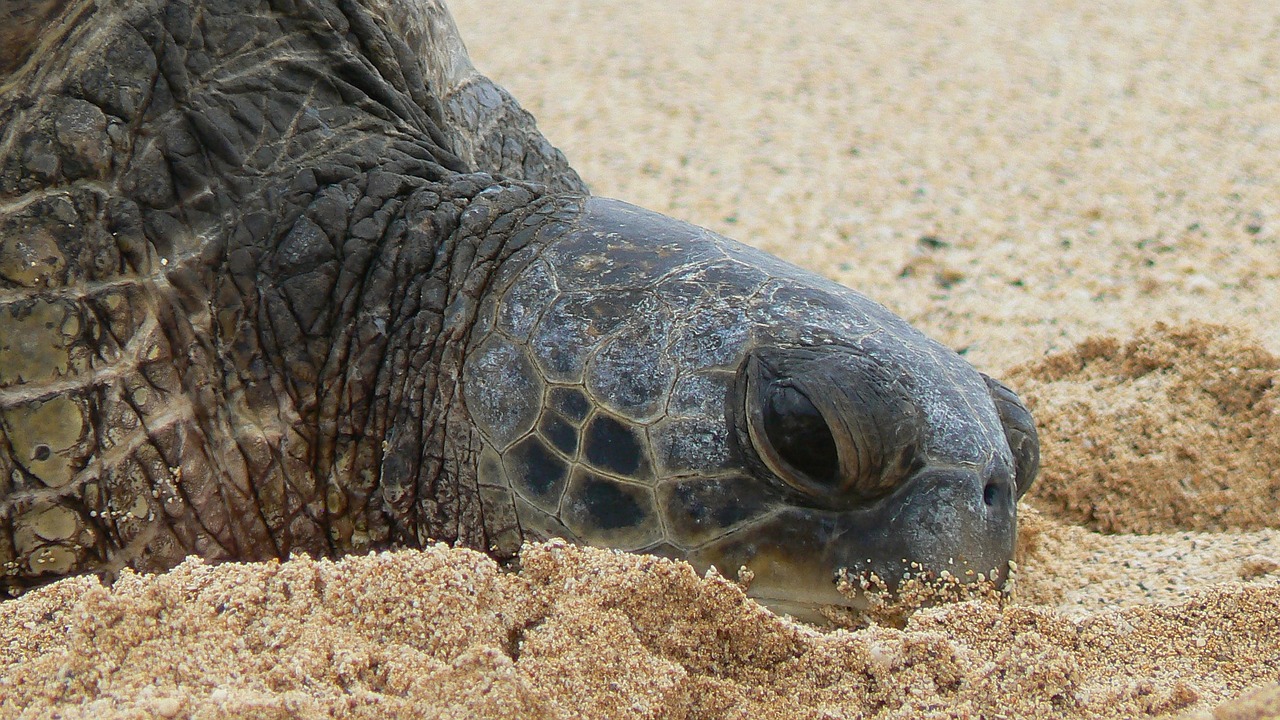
[
  {"x": 791, "y": 436},
  {"x": 839, "y": 436}
]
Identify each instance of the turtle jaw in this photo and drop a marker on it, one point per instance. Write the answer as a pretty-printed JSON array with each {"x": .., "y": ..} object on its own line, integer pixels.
[{"x": 945, "y": 522}]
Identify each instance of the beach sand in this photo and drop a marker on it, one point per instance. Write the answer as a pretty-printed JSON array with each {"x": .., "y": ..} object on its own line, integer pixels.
[{"x": 1082, "y": 197}]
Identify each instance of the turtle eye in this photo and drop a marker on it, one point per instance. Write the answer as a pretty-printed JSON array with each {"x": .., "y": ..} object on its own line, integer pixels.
[
  {"x": 836, "y": 431},
  {"x": 799, "y": 434}
]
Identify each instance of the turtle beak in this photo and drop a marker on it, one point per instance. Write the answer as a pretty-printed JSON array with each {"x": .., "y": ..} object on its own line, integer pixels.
[{"x": 944, "y": 522}]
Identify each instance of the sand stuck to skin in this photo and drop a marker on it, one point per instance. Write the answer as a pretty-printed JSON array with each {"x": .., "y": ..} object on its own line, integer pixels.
[{"x": 1083, "y": 197}]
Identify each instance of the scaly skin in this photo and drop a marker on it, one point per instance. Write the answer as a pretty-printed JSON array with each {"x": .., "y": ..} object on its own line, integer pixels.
[{"x": 234, "y": 252}]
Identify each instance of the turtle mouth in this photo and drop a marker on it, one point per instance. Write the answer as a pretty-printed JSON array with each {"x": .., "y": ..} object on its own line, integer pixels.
[
  {"x": 814, "y": 613},
  {"x": 941, "y": 536},
  {"x": 854, "y": 599}
]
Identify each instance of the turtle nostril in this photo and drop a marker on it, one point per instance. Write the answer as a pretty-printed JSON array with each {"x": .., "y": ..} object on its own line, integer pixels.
[{"x": 991, "y": 493}]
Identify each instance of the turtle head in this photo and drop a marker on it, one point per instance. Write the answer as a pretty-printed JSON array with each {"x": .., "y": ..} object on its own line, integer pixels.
[
  {"x": 644, "y": 384},
  {"x": 891, "y": 458}
]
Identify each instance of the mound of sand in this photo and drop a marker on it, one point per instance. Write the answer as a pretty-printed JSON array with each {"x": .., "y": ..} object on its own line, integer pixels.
[
  {"x": 580, "y": 632},
  {"x": 1177, "y": 428}
]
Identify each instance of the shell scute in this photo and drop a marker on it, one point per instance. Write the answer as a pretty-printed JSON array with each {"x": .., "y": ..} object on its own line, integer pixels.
[
  {"x": 632, "y": 372},
  {"x": 502, "y": 390},
  {"x": 703, "y": 508},
  {"x": 573, "y": 326},
  {"x": 616, "y": 447}
]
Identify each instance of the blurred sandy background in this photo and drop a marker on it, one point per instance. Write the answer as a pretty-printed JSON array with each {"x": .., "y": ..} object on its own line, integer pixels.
[
  {"x": 1035, "y": 183},
  {"x": 1090, "y": 166}
]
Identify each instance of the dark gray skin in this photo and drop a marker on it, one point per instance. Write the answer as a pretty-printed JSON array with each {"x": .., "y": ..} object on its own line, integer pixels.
[{"x": 289, "y": 276}]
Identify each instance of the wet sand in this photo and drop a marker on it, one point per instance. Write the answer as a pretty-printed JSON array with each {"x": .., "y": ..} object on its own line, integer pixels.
[{"x": 1082, "y": 197}]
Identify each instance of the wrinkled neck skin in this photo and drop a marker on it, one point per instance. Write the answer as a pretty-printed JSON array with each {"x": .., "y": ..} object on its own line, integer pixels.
[{"x": 265, "y": 228}]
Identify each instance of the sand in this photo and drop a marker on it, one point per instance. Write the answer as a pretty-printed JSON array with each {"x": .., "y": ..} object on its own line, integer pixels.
[{"x": 1080, "y": 196}]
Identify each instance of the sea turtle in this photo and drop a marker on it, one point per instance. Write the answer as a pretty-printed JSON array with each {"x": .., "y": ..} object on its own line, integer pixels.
[{"x": 289, "y": 276}]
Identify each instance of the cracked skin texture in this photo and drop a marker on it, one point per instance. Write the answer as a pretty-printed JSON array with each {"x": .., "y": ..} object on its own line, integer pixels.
[
  {"x": 289, "y": 277},
  {"x": 215, "y": 300}
]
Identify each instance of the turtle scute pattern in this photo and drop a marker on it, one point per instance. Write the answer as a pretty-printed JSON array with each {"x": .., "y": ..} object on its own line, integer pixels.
[
  {"x": 618, "y": 366},
  {"x": 587, "y": 341}
]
